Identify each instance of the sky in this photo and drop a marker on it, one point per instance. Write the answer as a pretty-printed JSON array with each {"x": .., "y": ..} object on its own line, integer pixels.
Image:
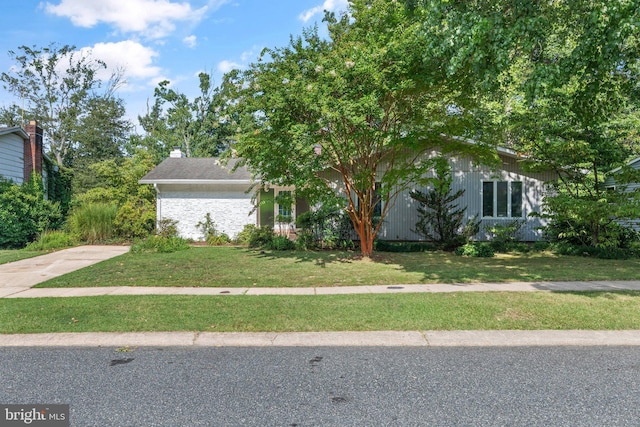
[{"x": 156, "y": 40}]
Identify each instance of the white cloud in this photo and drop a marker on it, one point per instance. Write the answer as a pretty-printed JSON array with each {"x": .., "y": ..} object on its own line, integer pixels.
[
  {"x": 226, "y": 66},
  {"x": 330, "y": 5},
  {"x": 132, "y": 57},
  {"x": 190, "y": 41},
  {"x": 150, "y": 18}
]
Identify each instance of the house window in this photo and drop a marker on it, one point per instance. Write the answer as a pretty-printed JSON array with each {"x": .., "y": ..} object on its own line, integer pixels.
[
  {"x": 284, "y": 201},
  {"x": 502, "y": 199}
]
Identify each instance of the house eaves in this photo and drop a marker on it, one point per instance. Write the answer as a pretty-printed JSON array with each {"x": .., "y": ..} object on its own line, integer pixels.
[
  {"x": 196, "y": 181},
  {"x": 16, "y": 129}
]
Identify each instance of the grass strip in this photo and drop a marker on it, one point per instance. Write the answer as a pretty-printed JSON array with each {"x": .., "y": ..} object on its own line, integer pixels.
[
  {"x": 16, "y": 255},
  {"x": 452, "y": 311},
  {"x": 241, "y": 267}
]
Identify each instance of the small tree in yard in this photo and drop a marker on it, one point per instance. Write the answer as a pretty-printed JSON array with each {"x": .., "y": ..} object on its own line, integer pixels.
[{"x": 440, "y": 219}]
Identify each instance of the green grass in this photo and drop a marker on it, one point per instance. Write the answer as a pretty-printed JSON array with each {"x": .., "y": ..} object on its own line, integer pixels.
[
  {"x": 451, "y": 311},
  {"x": 241, "y": 267},
  {"x": 16, "y": 255}
]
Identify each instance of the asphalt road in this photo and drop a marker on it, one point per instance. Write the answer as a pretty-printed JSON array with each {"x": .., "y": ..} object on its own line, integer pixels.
[{"x": 327, "y": 386}]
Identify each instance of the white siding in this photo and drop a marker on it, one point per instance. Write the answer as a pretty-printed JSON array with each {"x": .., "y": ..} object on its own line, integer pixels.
[
  {"x": 12, "y": 157},
  {"x": 229, "y": 206}
]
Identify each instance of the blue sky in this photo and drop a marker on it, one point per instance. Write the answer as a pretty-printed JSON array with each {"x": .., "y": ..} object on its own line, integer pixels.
[{"x": 154, "y": 40}]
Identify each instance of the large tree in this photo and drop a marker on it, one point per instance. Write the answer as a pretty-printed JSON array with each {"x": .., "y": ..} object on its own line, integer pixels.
[
  {"x": 351, "y": 106},
  {"x": 195, "y": 125},
  {"x": 564, "y": 77},
  {"x": 54, "y": 84}
]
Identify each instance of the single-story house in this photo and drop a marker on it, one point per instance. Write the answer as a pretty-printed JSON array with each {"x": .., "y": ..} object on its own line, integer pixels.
[
  {"x": 189, "y": 188},
  {"x": 20, "y": 152}
]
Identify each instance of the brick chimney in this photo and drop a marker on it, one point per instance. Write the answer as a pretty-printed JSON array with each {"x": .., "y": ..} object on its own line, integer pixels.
[{"x": 32, "y": 150}]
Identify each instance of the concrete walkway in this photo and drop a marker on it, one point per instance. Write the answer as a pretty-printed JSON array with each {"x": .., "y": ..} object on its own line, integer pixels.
[
  {"x": 21, "y": 275},
  {"x": 25, "y": 292},
  {"x": 17, "y": 279}
]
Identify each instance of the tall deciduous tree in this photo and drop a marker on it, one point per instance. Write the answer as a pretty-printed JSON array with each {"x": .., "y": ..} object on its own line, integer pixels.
[
  {"x": 565, "y": 79},
  {"x": 55, "y": 84},
  {"x": 353, "y": 99},
  {"x": 196, "y": 126}
]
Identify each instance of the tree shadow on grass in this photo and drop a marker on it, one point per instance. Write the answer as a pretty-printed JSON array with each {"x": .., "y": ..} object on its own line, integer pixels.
[{"x": 319, "y": 258}]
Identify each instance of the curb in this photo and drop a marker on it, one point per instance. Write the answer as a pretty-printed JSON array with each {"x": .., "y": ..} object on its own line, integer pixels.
[{"x": 509, "y": 338}]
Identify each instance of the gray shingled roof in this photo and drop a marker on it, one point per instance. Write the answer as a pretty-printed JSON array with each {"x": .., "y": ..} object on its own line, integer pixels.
[{"x": 174, "y": 170}]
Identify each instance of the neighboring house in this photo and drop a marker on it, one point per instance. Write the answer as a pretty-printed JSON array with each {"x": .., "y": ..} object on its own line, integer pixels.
[
  {"x": 20, "y": 152},
  {"x": 610, "y": 182},
  {"x": 189, "y": 188}
]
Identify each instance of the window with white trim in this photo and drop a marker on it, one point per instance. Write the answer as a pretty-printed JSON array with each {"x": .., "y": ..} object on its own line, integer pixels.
[{"x": 502, "y": 199}]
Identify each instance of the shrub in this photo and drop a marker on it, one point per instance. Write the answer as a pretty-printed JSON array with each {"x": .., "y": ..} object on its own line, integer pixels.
[
  {"x": 476, "y": 249},
  {"x": 218, "y": 239},
  {"x": 135, "y": 218},
  {"x": 210, "y": 233},
  {"x": 505, "y": 237},
  {"x": 441, "y": 220},
  {"x": 244, "y": 237},
  {"x": 167, "y": 228},
  {"x": 261, "y": 237},
  {"x": 385, "y": 246},
  {"x": 325, "y": 228},
  {"x": 24, "y": 212},
  {"x": 282, "y": 243},
  {"x": 596, "y": 251},
  {"x": 93, "y": 222},
  {"x": 540, "y": 246},
  {"x": 49, "y": 240}
]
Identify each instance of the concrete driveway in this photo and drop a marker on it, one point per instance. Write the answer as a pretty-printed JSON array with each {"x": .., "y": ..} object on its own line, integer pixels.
[{"x": 20, "y": 275}]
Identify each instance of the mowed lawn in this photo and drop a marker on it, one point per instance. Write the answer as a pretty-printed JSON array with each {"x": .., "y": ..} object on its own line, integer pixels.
[
  {"x": 242, "y": 267},
  {"x": 12, "y": 255}
]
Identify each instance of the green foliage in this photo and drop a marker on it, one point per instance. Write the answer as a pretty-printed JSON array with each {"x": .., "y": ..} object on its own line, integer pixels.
[
  {"x": 51, "y": 240},
  {"x": 93, "y": 222},
  {"x": 362, "y": 96},
  {"x": 136, "y": 218},
  {"x": 258, "y": 237},
  {"x": 583, "y": 221},
  {"x": 59, "y": 184},
  {"x": 282, "y": 243},
  {"x": 211, "y": 235},
  {"x": 597, "y": 252},
  {"x": 440, "y": 218},
  {"x": 244, "y": 237},
  {"x": 505, "y": 237},
  {"x": 24, "y": 213},
  {"x": 160, "y": 244},
  {"x": 324, "y": 228},
  {"x": 167, "y": 228},
  {"x": 385, "y": 246},
  {"x": 56, "y": 84},
  {"x": 200, "y": 127},
  {"x": 476, "y": 249},
  {"x": 117, "y": 180}
]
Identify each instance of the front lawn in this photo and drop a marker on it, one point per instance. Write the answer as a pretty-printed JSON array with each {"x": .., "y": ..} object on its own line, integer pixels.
[
  {"x": 16, "y": 255},
  {"x": 447, "y": 311},
  {"x": 241, "y": 267}
]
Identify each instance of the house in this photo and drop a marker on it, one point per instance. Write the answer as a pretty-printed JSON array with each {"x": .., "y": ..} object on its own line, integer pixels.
[
  {"x": 20, "y": 152},
  {"x": 611, "y": 183},
  {"x": 189, "y": 188}
]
